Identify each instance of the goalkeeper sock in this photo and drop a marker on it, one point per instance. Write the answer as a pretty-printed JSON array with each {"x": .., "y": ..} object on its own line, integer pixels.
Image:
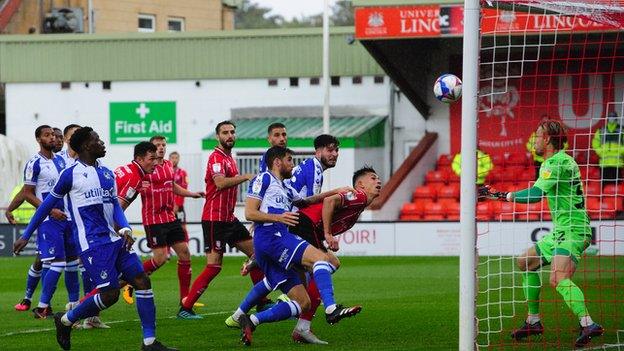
[
  {"x": 532, "y": 285},
  {"x": 573, "y": 297}
]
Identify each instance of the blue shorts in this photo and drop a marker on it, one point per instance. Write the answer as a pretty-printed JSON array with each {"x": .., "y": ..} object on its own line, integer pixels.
[
  {"x": 276, "y": 252},
  {"x": 106, "y": 264},
  {"x": 56, "y": 240}
]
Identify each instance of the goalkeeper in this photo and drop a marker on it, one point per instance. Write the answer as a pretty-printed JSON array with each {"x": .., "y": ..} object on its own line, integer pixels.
[{"x": 559, "y": 180}]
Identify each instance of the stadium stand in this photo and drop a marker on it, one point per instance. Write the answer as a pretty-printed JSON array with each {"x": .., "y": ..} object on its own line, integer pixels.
[{"x": 438, "y": 198}]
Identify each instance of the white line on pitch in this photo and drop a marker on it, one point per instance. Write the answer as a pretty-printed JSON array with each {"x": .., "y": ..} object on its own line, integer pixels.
[{"x": 32, "y": 331}]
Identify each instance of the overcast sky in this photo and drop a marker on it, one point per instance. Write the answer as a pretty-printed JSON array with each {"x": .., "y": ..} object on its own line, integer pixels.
[{"x": 294, "y": 8}]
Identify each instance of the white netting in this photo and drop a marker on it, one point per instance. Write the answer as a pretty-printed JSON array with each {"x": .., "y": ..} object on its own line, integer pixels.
[{"x": 560, "y": 60}]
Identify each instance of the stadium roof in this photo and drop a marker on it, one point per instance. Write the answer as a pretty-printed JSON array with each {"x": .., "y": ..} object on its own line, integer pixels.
[
  {"x": 269, "y": 53},
  {"x": 352, "y": 131}
]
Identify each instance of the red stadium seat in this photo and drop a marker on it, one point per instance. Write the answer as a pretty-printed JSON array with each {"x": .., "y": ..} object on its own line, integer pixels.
[
  {"x": 530, "y": 212},
  {"x": 411, "y": 210},
  {"x": 444, "y": 162},
  {"x": 484, "y": 211},
  {"x": 590, "y": 173},
  {"x": 436, "y": 177},
  {"x": 526, "y": 175},
  {"x": 447, "y": 201},
  {"x": 517, "y": 159},
  {"x": 452, "y": 211},
  {"x": 495, "y": 175},
  {"x": 453, "y": 178},
  {"x": 434, "y": 212},
  {"x": 502, "y": 211},
  {"x": 593, "y": 188},
  {"x": 600, "y": 210},
  {"x": 424, "y": 192},
  {"x": 511, "y": 174},
  {"x": 449, "y": 191}
]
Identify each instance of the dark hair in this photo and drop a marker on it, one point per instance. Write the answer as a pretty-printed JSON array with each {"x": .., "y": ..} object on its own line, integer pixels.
[
  {"x": 157, "y": 137},
  {"x": 222, "y": 123},
  {"x": 275, "y": 126},
  {"x": 325, "y": 140},
  {"x": 557, "y": 132},
  {"x": 40, "y": 129},
  {"x": 55, "y": 129},
  {"x": 174, "y": 153},
  {"x": 141, "y": 149},
  {"x": 79, "y": 138},
  {"x": 361, "y": 172},
  {"x": 276, "y": 152},
  {"x": 69, "y": 127}
]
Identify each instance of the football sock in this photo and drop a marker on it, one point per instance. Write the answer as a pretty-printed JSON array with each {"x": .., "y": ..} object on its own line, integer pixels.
[
  {"x": 32, "y": 281},
  {"x": 184, "y": 277},
  {"x": 200, "y": 284},
  {"x": 256, "y": 276},
  {"x": 87, "y": 308},
  {"x": 45, "y": 267},
  {"x": 72, "y": 282},
  {"x": 49, "y": 283},
  {"x": 322, "y": 271},
  {"x": 147, "y": 313},
  {"x": 279, "y": 312},
  {"x": 255, "y": 295},
  {"x": 149, "y": 266},
  {"x": 573, "y": 297},
  {"x": 531, "y": 286},
  {"x": 87, "y": 286},
  {"x": 315, "y": 301}
]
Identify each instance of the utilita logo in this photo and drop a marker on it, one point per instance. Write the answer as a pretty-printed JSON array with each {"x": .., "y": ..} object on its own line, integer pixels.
[{"x": 376, "y": 24}]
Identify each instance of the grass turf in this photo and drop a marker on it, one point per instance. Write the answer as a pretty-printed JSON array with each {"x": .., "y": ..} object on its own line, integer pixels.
[{"x": 409, "y": 303}]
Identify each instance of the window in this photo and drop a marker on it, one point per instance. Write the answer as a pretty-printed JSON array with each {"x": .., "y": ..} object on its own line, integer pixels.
[
  {"x": 379, "y": 79},
  {"x": 315, "y": 81},
  {"x": 356, "y": 80},
  {"x": 272, "y": 82},
  {"x": 335, "y": 81},
  {"x": 106, "y": 85},
  {"x": 175, "y": 24},
  {"x": 147, "y": 23},
  {"x": 65, "y": 85},
  {"x": 294, "y": 81}
]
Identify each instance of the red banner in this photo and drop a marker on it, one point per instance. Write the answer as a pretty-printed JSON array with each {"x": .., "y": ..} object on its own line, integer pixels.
[{"x": 436, "y": 20}]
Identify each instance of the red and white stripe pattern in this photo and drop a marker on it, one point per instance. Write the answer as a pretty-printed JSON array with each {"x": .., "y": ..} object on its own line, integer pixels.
[
  {"x": 157, "y": 195},
  {"x": 220, "y": 204}
]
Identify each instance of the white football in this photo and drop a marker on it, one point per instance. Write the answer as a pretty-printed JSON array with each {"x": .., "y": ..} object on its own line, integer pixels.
[{"x": 447, "y": 88}]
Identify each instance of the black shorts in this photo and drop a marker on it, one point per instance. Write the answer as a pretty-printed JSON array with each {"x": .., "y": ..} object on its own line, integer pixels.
[
  {"x": 166, "y": 234},
  {"x": 308, "y": 232},
  {"x": 217, "y": 234}
]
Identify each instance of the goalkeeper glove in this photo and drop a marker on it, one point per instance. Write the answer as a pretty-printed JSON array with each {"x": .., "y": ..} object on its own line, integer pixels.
[{"x": 485, "y": 192}]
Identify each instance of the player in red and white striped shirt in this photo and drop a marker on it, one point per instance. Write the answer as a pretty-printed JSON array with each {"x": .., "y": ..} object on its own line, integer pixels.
[
  {"x": 219, "y": 224},
  {"x": 162, "y": 228},
  {"x": 322, "y": 221}
]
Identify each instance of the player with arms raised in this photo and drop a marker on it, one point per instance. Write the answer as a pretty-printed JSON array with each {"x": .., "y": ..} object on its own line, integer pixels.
[{"x": 559, "y": 180}]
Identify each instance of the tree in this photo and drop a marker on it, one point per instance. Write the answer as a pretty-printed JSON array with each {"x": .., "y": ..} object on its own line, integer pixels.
[{"x": 252, "y": 16}]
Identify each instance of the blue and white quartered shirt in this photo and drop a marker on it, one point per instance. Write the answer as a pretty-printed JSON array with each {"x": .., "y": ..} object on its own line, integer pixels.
[
  {"x": 307, "y": 177},
  {"x": 43, "y": 173},
  {"x": 92, "y": 203},
  {"x": 277, "y": 197}
]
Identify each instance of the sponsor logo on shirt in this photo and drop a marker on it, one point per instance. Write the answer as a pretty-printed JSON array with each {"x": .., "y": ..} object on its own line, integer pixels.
[
  {"x": 546, "y": 173},
  {"x": 350, "y": 196},
  {"x": 97, "y": 192},
  {"x": 284, "y": 256},
  {"x": 257, "y": 186}
]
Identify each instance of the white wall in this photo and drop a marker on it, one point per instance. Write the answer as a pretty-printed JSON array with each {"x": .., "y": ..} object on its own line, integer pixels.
[{"x": 199, "y": 109}]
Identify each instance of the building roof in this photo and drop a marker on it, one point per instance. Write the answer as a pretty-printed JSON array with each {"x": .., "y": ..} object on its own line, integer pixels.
[
  {"x": 352, "y": 131},
  {"x": 268, "y": 53},
  {"x": 360, "y": 3}
]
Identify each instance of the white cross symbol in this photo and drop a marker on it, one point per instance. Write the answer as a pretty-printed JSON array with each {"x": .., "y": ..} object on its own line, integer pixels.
[{"x": 142, "y": 111}]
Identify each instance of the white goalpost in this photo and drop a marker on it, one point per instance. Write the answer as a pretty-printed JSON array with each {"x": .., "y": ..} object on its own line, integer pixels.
[{"x": 526, "y": 61}]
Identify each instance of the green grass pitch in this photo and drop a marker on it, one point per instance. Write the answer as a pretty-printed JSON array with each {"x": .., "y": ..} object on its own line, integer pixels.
[{"x": 409, "y": 303}]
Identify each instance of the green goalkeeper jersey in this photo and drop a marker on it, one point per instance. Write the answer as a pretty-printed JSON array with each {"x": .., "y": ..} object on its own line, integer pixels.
[{"x": 560, "y": 180}]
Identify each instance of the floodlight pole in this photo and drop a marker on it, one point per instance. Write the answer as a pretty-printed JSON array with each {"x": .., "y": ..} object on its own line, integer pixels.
[
  {"x": 467, "y": 256},
  {"x": 326, "y": 82}
]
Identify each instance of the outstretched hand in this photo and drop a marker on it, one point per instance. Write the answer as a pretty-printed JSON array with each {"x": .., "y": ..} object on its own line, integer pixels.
[{"x": 485, "y": 192}]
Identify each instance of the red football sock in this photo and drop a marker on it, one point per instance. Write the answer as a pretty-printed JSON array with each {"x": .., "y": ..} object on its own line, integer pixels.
[
  {"x": 150, "y": 266},
  {"x": 315, "y": 300},
  {"x": 184, "y": 277},
  {"x": 89, "y": 294},
  {"x": 200, "y": 284},
  {"x": 256, "y": 275}
]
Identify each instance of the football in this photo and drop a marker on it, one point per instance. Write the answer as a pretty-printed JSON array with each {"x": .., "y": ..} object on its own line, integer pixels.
[{"x": 447, "y": 88}]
